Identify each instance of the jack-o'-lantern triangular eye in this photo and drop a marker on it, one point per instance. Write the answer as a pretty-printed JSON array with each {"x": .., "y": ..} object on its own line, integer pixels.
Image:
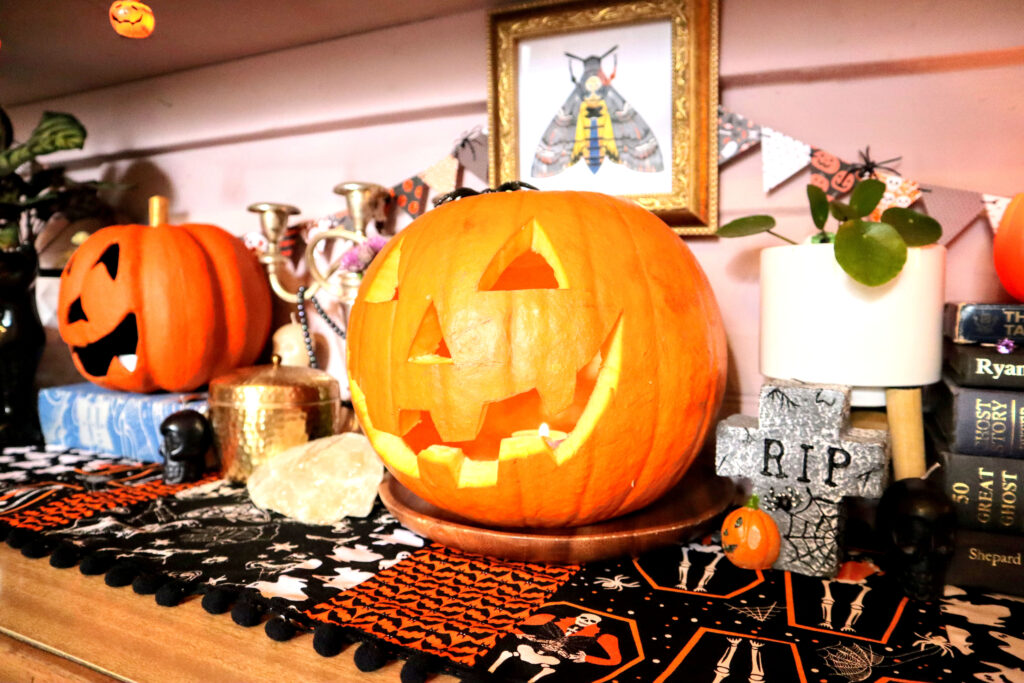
[
  {"x": 526, "y": 261},
  {"x": 384, "y": 287},
  {"x": 428, "y": 346},
  {"x": 109, "y": 259}
]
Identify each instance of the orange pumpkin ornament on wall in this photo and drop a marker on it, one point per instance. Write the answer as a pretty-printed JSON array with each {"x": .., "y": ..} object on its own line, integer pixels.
[
  {"x": 536, "y": 359},
  {"x": 163, "y": 307},
  {"x": 1008, "y": 248},
  {"x": 132, "y": 19},
  {"x": 750, "y": 537}
]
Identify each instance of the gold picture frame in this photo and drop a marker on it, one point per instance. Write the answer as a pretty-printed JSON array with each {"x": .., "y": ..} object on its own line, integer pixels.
[{"x": 670, "y": 42}]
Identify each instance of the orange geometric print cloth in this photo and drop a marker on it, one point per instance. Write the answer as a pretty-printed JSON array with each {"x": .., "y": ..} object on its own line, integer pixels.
[{"x": 444, "y": 602}]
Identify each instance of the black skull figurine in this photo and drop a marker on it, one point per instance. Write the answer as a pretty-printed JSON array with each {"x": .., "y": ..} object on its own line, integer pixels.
[
  {"x": 187, "y": 439},
  {"x": 916, "y": 524}
]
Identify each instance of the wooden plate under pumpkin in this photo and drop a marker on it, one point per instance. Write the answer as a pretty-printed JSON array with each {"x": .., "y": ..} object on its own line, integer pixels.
[{"x": 680, "y": 514}]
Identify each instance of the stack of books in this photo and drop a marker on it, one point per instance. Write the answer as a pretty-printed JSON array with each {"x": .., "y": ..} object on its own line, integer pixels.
[{"x": 980, "y": 420}]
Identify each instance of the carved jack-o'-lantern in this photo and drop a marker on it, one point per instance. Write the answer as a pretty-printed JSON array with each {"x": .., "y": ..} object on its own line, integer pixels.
[
  {"x": 495, "y": 317},
  {"x": 166, "y": 307},
  {"x": 132, "y": 19}
]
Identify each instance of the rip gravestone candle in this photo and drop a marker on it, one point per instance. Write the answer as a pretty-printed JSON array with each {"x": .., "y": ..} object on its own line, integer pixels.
[{"x": 803, "y": 457}]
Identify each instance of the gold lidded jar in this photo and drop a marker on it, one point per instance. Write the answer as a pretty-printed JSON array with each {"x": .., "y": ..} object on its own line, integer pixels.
[{"x": 258, "y": 412}]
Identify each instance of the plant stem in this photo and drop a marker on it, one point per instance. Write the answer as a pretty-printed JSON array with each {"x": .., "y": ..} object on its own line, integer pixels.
[{"x": 781, "y": 237}]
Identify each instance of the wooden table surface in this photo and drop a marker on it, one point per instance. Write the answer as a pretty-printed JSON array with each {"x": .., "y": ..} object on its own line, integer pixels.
[{"x": 60, "y": 625}]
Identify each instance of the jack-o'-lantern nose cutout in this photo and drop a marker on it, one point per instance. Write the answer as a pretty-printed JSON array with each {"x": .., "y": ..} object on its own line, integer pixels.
[
  {"x": 76, "y": 312},
  {"x": 428, "y": 345},
  {"x": 526, "y": 261}
]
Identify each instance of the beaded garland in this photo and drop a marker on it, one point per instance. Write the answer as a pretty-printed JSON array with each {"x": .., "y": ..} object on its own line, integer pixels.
[{"x": 304, "y": 323}]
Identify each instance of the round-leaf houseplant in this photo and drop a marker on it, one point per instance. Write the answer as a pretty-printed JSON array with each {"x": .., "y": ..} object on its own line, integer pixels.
[
  {"x": 859, "y": 305},
  {"x": 871, "y": 252}
]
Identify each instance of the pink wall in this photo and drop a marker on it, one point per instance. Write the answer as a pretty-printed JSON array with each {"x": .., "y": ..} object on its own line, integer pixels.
[{"x": 288, "y": 126}]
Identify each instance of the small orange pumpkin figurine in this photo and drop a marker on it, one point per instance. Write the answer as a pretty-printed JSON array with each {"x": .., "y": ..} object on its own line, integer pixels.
[
  {"x": 750, "y": 538},
  {"x": 132, "y": 19}
]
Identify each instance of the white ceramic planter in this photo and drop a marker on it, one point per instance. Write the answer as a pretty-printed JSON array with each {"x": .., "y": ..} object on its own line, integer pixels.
[{"x": 820, "y": 325}]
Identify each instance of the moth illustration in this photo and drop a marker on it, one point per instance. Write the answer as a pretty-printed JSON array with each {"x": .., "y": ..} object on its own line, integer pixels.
[{"x": 594, "y": 124}]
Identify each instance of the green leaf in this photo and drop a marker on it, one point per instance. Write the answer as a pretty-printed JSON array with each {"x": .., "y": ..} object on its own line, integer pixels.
[
  {"x": 916, "y": 228},
  {"x": 819, "y": 205},
  {"x": 55, "y": 132},
  {"x": 865, "y": 197},
  {"x": 871, "y": 253},
  {"x": 749, "y": 225},
  {"x": 823, "y": 237},
  {"x": 841, "y": 212}
]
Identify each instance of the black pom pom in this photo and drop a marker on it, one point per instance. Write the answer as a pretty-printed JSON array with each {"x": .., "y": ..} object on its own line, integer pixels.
[
  {"x": 4, "y": 530},
  {"x": 171, "y": 593},
  {"x": 246, "y": 613},
  {"x": 148, "y": 584},
  {"x": 40, "y": 547},
  {"x": 121, "y": 574},
  {"x": 370, "y": 656},
  {"x": 18, "y": 537},
  {"x": 417, "y": 669},
  {"x": 64, "y": 555},
  {"x": 96, "y": 563},
  {"x": 329, "y": 640},
  {"x": 219, "y": 600},
  {"x": 280, "y": 629}
]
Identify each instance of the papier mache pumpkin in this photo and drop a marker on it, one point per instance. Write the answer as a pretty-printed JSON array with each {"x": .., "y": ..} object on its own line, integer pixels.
[
  {"x": 537, "y": 359},
  {"x": 166, "y": 307}
]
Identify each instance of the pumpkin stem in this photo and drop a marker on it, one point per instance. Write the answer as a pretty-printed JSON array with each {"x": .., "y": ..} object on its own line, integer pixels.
[{"x": 754, "y": 502}]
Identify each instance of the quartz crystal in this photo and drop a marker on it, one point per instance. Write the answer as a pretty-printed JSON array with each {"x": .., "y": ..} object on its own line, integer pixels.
[{"x": 320, "y": 481}]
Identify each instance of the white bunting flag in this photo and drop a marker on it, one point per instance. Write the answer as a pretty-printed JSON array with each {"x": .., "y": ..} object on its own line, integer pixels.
[{"x": 781, "y": 157}]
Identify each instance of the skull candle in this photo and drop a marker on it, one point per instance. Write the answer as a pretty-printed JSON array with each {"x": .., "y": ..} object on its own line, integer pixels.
[{"x": 916, "y": 524}]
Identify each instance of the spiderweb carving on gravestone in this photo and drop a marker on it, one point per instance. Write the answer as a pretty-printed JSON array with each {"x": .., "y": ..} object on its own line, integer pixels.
[{"x": 811, "y": 525}]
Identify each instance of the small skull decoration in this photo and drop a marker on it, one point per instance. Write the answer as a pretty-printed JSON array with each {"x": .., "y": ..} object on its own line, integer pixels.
[
  {"x": 187, "y": 439},
  {"x": 916, "y": 525}
]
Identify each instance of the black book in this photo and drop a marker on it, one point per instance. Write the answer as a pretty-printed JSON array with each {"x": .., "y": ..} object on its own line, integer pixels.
[
  {"x": 977, "y": 421},
  {"x": 972, "y": 365},
  {"x": 988, "y": 560},
  {"x": 986, "y": 492},
  {"x": 968, "y": 323}
]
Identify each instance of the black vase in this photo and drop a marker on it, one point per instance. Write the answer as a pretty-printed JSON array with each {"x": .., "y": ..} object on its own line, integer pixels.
[{"x": 21, "y": 345}]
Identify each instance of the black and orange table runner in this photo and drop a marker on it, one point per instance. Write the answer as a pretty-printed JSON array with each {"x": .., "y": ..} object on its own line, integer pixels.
[{"x": 679, "y": 613}]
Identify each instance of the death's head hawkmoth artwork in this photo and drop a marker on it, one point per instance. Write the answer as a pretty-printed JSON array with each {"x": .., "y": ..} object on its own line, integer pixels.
[{"x": 594, "y": 124}]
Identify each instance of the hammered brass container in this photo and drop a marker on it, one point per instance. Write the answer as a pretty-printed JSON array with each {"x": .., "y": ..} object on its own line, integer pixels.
[{"x": 260, "y": 411}]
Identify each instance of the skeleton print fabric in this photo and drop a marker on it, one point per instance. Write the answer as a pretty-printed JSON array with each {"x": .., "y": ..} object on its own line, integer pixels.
[{"x": 679, "y": 613}]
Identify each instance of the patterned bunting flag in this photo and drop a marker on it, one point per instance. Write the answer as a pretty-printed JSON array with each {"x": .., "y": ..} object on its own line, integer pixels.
[
  {"x": 441, "y": 177},
  {"x": 411, "y": 196},
  {"x": 736, "y": 134},
  {"x": 898, "y": 192},
  {"x": 953, "y": 209},
  {"x": 471, "y": 152},
  {"x": 781, "y": 157},
  {"x": 831, "y": 173},
  {"x": 995, "y": 206}
]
